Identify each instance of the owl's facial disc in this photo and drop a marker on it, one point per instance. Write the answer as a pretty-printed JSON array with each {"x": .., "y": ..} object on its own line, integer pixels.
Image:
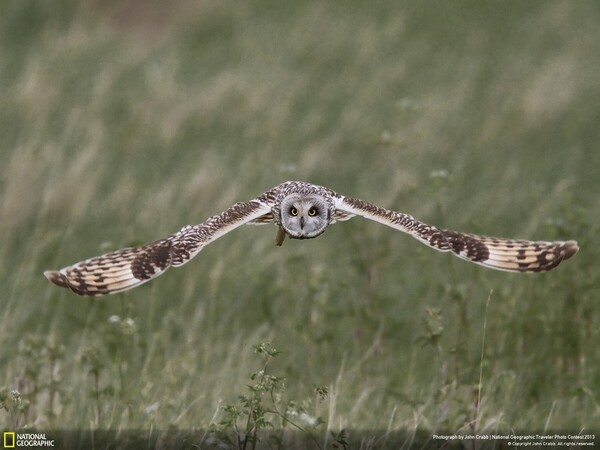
[{"x": 303, "y": 217}]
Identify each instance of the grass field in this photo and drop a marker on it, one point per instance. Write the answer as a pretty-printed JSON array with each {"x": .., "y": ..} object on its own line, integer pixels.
[{"x": 123, "y": 121}]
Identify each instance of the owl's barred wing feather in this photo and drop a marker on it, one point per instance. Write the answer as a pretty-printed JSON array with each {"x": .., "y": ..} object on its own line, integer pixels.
[
  {"x": 129, "y": 267},
  {"x": 116, "y": 271},
  {"x": 496, "y": 253}
]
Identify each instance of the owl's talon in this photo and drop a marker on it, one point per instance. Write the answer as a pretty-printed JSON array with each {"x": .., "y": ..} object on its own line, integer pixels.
[{"x": 280, "y": 237}]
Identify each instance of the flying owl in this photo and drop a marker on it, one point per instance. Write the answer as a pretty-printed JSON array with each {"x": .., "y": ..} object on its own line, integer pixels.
[{"x": 300, "y": 210}]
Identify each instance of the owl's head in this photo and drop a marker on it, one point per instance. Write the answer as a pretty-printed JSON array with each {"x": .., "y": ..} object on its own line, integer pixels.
[{"x": 304, "y": 216}]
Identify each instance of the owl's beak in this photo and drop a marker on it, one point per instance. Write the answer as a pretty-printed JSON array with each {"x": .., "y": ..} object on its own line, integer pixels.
[{"x": 302, "y": 222}]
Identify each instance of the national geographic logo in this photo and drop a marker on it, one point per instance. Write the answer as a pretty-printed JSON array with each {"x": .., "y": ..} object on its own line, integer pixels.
[{"x": 11, "y": 439}]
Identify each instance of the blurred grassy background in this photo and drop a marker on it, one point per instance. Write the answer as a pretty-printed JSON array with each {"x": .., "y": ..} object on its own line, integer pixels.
[{"x": 122, "y": 121}]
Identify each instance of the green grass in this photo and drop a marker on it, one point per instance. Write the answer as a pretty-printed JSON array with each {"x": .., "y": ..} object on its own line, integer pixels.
[{"x": 123, "y": 121}]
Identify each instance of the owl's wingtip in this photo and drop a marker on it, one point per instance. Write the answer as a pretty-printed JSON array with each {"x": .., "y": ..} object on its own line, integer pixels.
[
  {"x": 570, "y": 249},
  {"x": 57, "y": 278}
]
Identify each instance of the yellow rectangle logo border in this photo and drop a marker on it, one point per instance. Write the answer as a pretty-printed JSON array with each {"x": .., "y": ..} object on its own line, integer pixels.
[{"x": 9, "y": 439}]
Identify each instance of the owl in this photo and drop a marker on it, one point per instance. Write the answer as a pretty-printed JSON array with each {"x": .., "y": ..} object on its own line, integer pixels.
[{"x": 300, "y": 210}]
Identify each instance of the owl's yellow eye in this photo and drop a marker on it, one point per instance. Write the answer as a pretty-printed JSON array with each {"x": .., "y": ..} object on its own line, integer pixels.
[
  {"x": 312, "y": 212},
  {"x": 294, "y": 212}
]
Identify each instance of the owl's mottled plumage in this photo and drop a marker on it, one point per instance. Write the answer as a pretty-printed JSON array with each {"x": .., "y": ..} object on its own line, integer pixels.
[{"x": 301, "y": 211}]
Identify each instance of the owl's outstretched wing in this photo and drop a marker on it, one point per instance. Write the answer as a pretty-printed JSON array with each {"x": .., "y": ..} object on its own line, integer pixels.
[
  {"x": 129, "y": 267},
  {"x": 496, "y": 253}
]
